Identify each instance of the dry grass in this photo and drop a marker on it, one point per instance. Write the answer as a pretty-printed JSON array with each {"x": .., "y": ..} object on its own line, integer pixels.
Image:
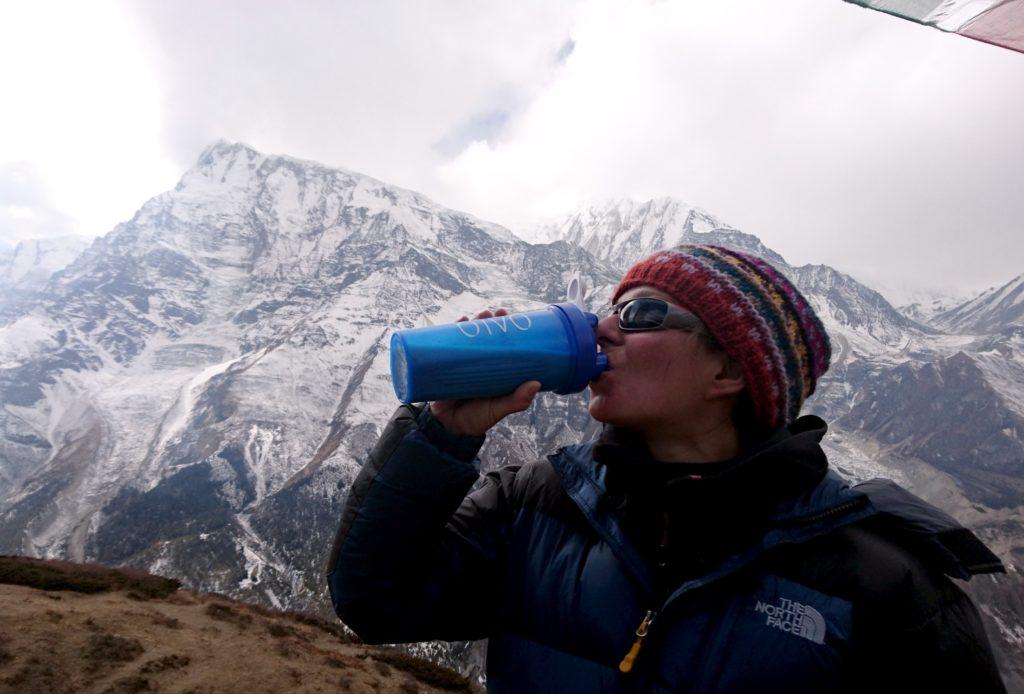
[
  {"x": 165, "y": 621},
  {"x": 280, "y": 631},
  {"x": 52, "y": 575},
  {"x": 423, "y": 670},
  {"x": 333, "y": 628},
  {"x": 168, "y": 662},
  {"x": 100, "y": 649},
  {"x": 329, "y": 627},
  {"x": 131, "y": 685},
  {"x": 37, "y": 675},
  {"x": 96, "y": 637},
  {"x": 226, "y": 613},
  {"x": 5, "y": 653}
]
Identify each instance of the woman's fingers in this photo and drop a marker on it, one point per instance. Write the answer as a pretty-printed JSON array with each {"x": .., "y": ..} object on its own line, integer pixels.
[
  {"x": 516, "y": 401},
  {"x": 486, "y": 313},
  {"x": 477, "y": 416},
  {"x": 524, "y": 394}
]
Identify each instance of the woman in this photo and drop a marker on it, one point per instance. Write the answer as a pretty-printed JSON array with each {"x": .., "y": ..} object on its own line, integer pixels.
[{"x": 699, "y": 544}]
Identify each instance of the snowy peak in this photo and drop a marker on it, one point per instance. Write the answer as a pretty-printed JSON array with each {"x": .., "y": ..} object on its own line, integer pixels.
[
  {"x": 923, "y": 306},
  {"x": 26, "y": 268},
  {"x": 992, "y": 310},
  {"x": 243, "y": 231},
  {"x": 622, "y": 231},
  {"x": 225, "y": 149},
  {"x": 34, "y": 260},
  {"x": 226, "y": 163},
  {"x": 302, "y": 198}
]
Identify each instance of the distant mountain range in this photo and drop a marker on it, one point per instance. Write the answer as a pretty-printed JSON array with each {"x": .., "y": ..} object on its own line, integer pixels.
[
  {"x": 195, "y": 390},
  {"x": 26, "y": 267}
]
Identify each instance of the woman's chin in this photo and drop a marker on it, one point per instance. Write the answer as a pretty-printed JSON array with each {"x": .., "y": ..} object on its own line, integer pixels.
[{"x": 599, "y": 407}]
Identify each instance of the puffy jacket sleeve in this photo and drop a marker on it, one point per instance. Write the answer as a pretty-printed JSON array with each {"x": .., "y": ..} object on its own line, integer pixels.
[
  {"x": 937, "y": 646},
  {"x": 950, "y": 646},
  {"x": 916, "y": 628},
  {"x": 414, "y": 558}
]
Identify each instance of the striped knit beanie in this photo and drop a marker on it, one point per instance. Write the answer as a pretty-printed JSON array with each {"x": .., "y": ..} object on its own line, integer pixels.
[{"x": 758, "y": 317}]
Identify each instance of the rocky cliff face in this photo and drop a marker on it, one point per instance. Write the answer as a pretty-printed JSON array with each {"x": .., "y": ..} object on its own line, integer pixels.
[{"x": 195, "y": 392}]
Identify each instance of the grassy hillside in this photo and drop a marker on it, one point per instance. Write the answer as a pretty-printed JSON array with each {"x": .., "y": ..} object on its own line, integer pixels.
[{"x": 86, "y": 628}]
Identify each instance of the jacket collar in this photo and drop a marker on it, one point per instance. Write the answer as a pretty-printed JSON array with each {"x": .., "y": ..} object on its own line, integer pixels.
[
  {"x": 821, "y": 502},
  {"x": 745, "y": 488},
  {"x": 933, "y": 536}
]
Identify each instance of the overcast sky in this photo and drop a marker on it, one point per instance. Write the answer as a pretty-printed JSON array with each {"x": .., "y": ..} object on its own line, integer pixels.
[{"x": 838, "y": 135}]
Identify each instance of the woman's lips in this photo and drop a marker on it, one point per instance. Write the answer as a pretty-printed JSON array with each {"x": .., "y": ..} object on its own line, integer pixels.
[{"x": 607, "y": 370}]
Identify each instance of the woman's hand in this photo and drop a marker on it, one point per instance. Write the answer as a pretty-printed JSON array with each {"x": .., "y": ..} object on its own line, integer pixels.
[{"x": 474, "y": 417}]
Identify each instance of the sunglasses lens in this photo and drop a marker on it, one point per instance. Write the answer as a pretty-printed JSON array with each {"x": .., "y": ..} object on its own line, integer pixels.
[{"x": 643, "y": 314}]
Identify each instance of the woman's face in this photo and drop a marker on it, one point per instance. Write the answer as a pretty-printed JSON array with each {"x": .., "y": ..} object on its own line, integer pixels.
[{"x": 656, "y": 378}]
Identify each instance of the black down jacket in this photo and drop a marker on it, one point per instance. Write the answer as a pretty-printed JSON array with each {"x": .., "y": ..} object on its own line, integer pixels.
[{"x": 825, "y": 587}]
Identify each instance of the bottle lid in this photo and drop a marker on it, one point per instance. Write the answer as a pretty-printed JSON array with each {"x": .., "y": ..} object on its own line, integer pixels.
[{"x": 588, "y": 363}]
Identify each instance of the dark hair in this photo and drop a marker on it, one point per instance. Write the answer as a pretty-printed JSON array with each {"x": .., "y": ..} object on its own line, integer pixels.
[{"x": 749, "y": 428}]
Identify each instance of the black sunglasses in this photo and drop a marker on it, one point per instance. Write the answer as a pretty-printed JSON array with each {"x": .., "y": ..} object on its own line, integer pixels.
[{"x": 647, "y": 313}]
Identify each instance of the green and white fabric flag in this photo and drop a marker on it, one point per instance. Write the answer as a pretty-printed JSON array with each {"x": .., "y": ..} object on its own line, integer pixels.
[{"x": 999, "y": 22}]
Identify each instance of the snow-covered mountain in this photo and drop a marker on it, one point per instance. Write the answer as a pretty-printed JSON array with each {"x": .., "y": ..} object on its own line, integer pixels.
[
  {"x": 991, "y": 311},
  {"x": 194, "y": 393},
  {"x": 26, "y": 267},
  {"x": 219, "y": 363},
  {"x": 623, "y": 231},
  {"x": 922, "y": 305},
  {"x": 31, "y": 262}
]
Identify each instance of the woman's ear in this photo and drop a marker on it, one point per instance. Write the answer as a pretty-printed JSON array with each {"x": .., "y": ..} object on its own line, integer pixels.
[{"x": 728, "y": 378}]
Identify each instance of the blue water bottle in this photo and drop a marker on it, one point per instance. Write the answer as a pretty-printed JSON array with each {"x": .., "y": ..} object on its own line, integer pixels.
[{"x": 492, "y": 356}]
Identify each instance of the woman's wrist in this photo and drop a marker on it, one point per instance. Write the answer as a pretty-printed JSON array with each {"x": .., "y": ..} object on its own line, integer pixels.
[{"x": 462, "y": 446}]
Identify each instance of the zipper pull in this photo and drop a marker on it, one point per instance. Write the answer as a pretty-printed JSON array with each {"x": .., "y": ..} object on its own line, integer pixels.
[{"x": 641, "y": 631}]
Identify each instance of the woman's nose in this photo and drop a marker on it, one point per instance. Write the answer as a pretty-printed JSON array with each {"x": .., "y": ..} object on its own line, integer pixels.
[{"x": 607, "y": 331}]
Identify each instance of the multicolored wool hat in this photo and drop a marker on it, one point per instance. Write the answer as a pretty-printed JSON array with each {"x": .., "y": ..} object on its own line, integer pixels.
[{"x": 758, "y": 317}]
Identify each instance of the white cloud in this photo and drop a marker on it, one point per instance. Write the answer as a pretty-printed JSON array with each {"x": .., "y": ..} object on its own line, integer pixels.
[
  {"x": 81, "y": 110},
  {"x": 27, "y": 210},
  {"x": 837, "y": 134},
  {"x": 385, "y": 88}
]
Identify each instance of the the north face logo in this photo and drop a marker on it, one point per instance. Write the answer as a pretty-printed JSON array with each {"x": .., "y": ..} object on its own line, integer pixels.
[{"x": 794, "y": 617}]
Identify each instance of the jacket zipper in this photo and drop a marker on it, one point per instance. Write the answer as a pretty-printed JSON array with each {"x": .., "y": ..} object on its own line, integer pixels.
[
  {"x": 641, "y": 631},
  {"x": 853, "y": 503},
  {"x": 629, "y": 659}
]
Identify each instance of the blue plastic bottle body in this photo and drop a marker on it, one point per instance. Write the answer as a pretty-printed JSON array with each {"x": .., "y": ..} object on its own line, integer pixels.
[{"x": 488, "y": 357}]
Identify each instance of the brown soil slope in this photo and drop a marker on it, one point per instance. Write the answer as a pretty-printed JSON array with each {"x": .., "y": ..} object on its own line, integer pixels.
[{"x": 80, "y": 628}]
